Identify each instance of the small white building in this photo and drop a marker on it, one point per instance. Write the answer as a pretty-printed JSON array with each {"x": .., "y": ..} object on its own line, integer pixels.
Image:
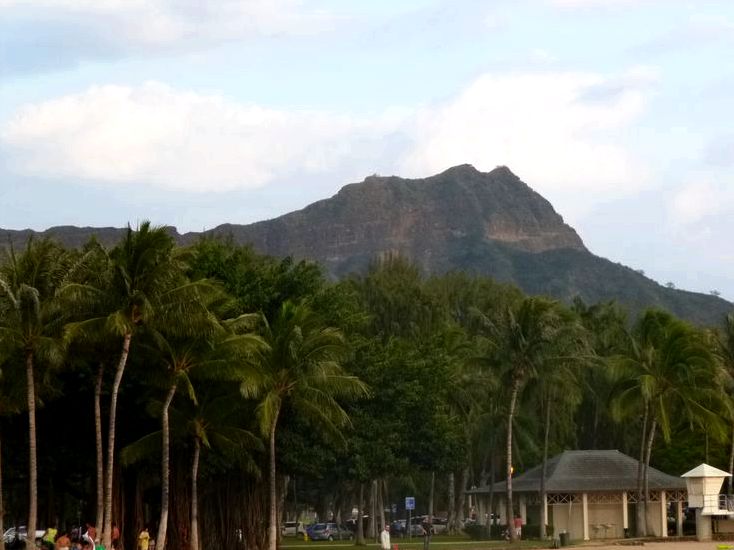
[
  {"x": 590, "y": 495},
  {"x": 714, "y": 511}
]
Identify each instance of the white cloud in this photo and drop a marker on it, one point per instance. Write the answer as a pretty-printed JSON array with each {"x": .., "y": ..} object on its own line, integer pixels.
[
  {"x": 180, "y": 140},
  {"x": 542, "y": 57},
  {"x": 698, "y": 202},
  {"x": 602, "y": 3},
  {"x": 561, "y": 132},
  {"x": 172, "y": 23}
]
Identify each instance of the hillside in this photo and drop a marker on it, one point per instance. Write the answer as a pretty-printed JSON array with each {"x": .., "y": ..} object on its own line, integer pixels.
[{"x": 462, "y": 219}]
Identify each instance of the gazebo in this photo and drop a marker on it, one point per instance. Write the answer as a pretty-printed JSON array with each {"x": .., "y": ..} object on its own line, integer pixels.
[{"x": 590, "y": 494}]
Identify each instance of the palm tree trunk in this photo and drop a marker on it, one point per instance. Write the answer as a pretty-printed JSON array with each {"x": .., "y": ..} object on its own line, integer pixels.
[
  {"x": 381, "y": 502},
  {"x": 160, "y": 542},
  {"x": 508, "y": 449},
  {"x": 195, "y": 496},
  {"x": 461, "y": 499},
  {"x": 451, "y": 496},
  {"x": 360, "y": 513},
  {"x": 109, "y": 479},
  {"x": 431, "y": 494},
  {"x": 98, "y": 441},
  {"x": 33, "y": 459},
  {"x": 2, "y": 502},
  {"x": 648, "y": 452},
  {"x": 731, "y": 462},
  {"x": 491, "y": 495},
  {"x": 640, "y": 527},
  {"x": 273, "y": 516},
  {"x": 544, "y": 469},
  {"x": 371, "y": 531}
]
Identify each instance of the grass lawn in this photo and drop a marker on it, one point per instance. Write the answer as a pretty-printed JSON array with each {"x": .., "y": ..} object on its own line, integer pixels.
[{"x": 438, "y": 543}]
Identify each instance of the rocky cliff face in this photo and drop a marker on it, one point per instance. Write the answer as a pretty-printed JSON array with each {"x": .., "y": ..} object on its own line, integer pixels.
[
  {"x": 462, "y": 219},
  {"x": 422, "y": 219}
]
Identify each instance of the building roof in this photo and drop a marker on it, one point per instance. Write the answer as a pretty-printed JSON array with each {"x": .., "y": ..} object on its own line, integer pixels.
[
  {"x": 588, "y": 471},
  {"x": 704, "y": 470}
]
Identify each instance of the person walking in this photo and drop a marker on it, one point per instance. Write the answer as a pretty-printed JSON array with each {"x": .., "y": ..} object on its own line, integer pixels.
[
  {"x": 428, "y": 531},
  {"x": 385, "y": 538}
]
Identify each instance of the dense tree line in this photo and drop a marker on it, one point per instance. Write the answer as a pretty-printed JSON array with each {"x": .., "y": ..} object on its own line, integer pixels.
[{"x": 212, "y": 392}]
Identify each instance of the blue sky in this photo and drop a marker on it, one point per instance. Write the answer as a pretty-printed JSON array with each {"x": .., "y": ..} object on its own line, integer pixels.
[{"x": 196, "y": 113}]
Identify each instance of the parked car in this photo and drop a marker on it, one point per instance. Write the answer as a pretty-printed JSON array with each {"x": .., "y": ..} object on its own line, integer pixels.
[
  {"x": 292, "y": 529},
  {"x": 416, "y": 529},
  {"x": 440, "y": 525},
  {"x": 398, "y": 528},
  {"x": 330, "y": 531},
  {"x": 22, "y": 533}
]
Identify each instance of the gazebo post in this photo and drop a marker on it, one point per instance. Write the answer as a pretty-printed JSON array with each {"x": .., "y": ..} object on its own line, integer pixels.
[
  {"x": 585, "y": 514},
  {"x": 523, "y": 509},
  {"x": 544, "y": 504},
  {"x": 663, "y": 514},
  {"x": 625, "y": 514},
  {"x": 679, "y": 518}
]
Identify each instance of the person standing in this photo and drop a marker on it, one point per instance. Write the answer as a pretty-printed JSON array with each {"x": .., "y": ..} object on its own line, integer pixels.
[
  {"x": 428, "y": 531},
  {"x": 518, "y": 527},
  {"x": 49, "y": 537},
  {"x": 385, "y": 538},
  {"x": 115, "y": 536},
  {"x": 63, "y": 542},
  {"x": 144, "y": 539}
]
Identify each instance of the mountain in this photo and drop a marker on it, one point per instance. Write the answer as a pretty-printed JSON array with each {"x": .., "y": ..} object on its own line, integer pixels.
[{"x": 462, "y": 219}]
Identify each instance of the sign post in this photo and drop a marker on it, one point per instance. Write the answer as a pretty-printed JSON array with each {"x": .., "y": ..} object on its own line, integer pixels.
[{"x": 409, "y": 506}]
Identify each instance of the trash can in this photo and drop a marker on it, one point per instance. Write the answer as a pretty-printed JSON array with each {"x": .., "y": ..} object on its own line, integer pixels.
[{"x": 565, "y": 538}]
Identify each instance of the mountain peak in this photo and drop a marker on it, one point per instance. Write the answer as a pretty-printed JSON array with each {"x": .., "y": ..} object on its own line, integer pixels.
[{"x": 489, "y": 223}]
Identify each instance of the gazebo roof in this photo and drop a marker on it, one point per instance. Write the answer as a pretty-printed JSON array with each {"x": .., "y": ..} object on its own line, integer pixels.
[
  {"x": 704, "y": 470},
  {"x": 588, "y": 471}
]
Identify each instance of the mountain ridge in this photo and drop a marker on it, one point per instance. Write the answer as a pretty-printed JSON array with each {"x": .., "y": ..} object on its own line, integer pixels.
[{"x": 487, "y": 223}]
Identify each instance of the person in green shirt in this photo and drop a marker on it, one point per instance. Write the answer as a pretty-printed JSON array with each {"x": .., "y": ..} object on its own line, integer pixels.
[{"x": 49, "y": 538}]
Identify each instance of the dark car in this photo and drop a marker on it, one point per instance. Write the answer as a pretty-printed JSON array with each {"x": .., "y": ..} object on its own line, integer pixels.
[{"x": 329, "y": 531}]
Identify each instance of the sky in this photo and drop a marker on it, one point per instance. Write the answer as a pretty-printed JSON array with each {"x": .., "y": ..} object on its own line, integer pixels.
[{"x": 195, "y": 113}]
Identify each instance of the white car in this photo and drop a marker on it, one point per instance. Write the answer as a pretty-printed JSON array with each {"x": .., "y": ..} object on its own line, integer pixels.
[
  {"x": 292, "y": 529},
  {"x": 10, "y": 535}
]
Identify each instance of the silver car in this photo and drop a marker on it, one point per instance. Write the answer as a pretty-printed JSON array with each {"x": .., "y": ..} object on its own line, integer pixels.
[{"x": 21, "y": 533}]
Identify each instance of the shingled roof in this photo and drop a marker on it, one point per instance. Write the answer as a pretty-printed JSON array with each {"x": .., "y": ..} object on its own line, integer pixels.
[{"x": 588, "y": 471}]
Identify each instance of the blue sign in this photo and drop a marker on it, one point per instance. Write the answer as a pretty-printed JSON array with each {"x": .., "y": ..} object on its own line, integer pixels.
[{"x": 410, "y": 503}]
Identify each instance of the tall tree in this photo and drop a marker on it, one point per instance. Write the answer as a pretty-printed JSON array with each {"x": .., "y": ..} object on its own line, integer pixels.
[
  {"x": 30, "y": 326},
  {"x": 300, "y": 365},
  {"x": 668, "y": 372},
  {"x": 725, "y": 353},
  {"x": 143, "y": 279},
  {"x": 524, "y": 340}
]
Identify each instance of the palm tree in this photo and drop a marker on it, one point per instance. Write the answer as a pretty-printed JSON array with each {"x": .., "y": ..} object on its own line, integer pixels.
[
  {"x": 142, "y": 281},
  {"x": 210, "y": 422},
  {"x": 523, "y": 342},
  {"x": 670, "y": 372},
  {"x": 10, "y": 403},
  {"x": 725, "y": 352},
  {"x": 299, "y": 365},
  {"x": 179, "y": 357},
  {"x": 29, "y": 326},
  {"x": 191, "y": 347}
]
